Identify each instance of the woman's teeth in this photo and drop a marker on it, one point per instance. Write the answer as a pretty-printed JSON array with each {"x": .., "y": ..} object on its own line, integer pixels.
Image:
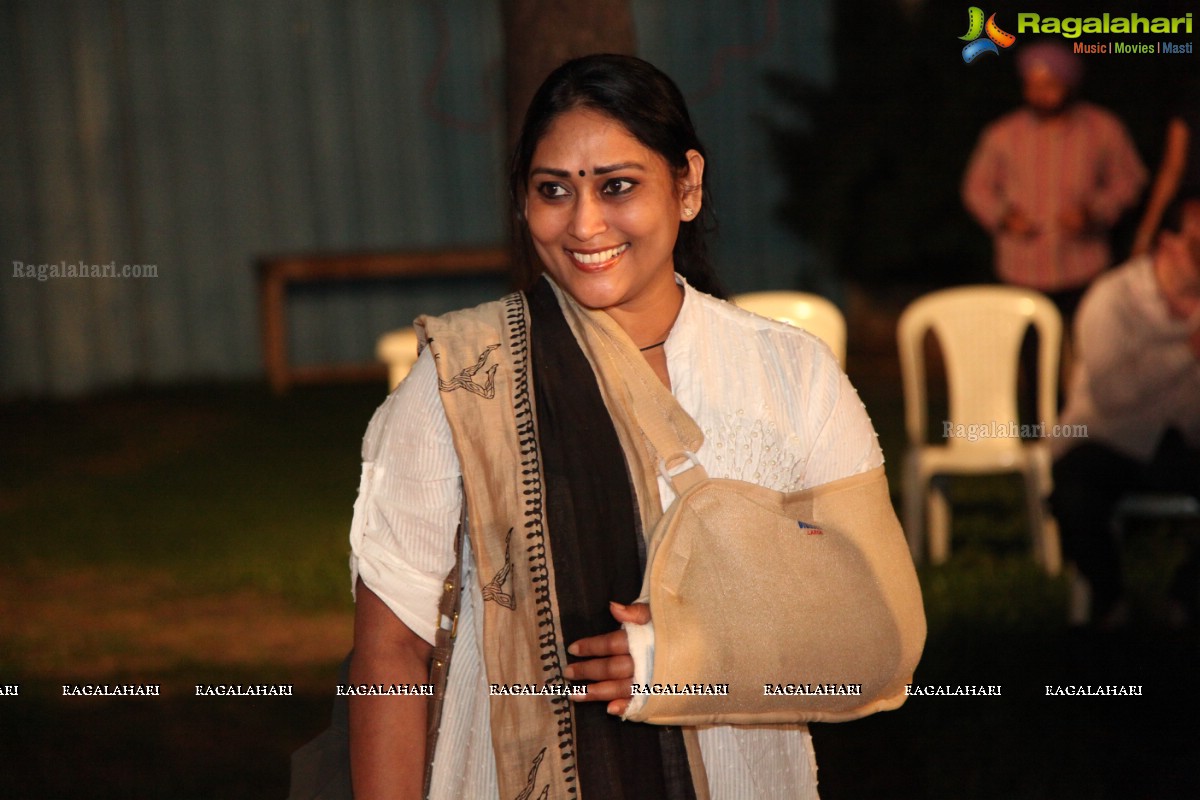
[{"x": 600, "y": 257}]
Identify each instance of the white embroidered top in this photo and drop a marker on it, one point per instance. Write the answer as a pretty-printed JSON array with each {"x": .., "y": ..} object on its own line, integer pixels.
[{"x": 775, "y": 409}]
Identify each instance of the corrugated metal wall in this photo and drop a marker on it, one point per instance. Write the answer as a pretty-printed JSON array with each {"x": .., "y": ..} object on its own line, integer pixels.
[{"x": 194, "y": 136}]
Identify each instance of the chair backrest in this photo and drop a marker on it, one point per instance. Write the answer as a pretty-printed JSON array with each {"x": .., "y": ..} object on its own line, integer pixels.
[
  {"x": 980, "y": 330},
  {"x": 811, "y": 312}
]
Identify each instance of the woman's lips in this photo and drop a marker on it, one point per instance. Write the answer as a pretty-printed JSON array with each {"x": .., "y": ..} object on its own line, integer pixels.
[{"x": 597, "y": 260}]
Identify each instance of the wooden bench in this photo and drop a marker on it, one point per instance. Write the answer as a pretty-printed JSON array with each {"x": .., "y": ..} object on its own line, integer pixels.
[{"x": 275, "y": 273}]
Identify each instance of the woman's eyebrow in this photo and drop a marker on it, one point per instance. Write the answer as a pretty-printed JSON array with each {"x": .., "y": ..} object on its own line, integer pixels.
[
  {"x": 616, "y": 167},
  {"x": 604, "y": 170}
]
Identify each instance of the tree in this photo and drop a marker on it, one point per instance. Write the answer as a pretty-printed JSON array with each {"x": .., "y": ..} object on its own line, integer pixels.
[{"x": 541, "y": 34}]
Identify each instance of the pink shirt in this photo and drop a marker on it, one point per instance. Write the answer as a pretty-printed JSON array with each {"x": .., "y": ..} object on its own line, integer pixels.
[{"x": 1083, "y": 160}]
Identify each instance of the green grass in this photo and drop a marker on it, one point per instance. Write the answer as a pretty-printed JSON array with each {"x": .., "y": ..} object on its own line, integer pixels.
[{"x": 222, "y": 487}]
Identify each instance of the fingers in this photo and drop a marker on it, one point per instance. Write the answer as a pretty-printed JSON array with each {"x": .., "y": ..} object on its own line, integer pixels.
[
  {"x": 635, "y": 613},
  {"x": 606, "y": 644},
  {"x": 601, "y": 669},
  {"x": 611, "y": 680},
  {"x": 606, "y": 691},
  {"x": 607, "y": 663},
  {"x": 615, "y": 642}
]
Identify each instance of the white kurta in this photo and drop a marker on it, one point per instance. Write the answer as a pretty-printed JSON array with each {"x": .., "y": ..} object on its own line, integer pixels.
[{"x": 775, "y": 409}]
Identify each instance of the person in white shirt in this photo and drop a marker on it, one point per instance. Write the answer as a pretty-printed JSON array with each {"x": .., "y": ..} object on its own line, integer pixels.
[{"x": 1135, "y": 389}]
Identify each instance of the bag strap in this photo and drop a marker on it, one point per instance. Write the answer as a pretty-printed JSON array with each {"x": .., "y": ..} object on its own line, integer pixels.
[{"x": 443, "y": 645}]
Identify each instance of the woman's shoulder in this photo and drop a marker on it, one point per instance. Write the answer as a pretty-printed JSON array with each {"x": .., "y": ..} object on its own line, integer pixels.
[
  {"x": 490, "y": 312},
  {"x": 726, "y": 312},
  {"x": 411, "y": 410},
  {"x": 722, "y": 320}
]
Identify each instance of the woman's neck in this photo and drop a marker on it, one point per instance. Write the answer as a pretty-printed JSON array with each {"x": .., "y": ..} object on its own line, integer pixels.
[
  {"x": 649, "y": 322},
  {"x": 649, "y": 325}
]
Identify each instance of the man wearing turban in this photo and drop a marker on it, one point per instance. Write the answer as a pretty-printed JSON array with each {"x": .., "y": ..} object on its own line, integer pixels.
[{"x": 1050, "y": 179}]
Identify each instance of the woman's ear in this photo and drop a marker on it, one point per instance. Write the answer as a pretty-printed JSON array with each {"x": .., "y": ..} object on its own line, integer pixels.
[{"x": 691, "y": 194}]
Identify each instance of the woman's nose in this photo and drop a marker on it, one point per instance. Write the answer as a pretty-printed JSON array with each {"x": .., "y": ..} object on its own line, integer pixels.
[{"x": 588, "y": 219}]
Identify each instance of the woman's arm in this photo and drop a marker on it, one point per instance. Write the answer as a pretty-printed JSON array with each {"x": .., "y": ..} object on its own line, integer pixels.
[
  {"x": 402, "y": 544},
  {"x": 387, "y": 732}
]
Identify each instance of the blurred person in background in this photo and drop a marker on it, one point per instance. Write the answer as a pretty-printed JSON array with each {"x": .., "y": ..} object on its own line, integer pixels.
[
  {"x": 1136, "y": 388},
  {"x": 1049, "y": 180}
]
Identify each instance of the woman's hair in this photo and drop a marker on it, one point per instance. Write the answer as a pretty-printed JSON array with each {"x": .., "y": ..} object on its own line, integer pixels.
[{"x": 650, "y": 106}]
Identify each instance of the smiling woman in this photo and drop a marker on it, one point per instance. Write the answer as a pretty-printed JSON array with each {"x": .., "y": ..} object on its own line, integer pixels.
[
  {"x": 637, "y": 111},
  {"x": 608, "y": 237},
  {"x": 547, "y": 450}
]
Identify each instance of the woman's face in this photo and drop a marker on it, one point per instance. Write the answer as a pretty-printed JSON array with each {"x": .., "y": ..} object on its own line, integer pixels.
[{"x": 604, "y": 211}]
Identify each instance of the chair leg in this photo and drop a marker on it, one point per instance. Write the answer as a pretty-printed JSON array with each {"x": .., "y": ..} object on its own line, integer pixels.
[
  {"x": 1079, "y": 598},
  {"x": 1043, "y": 528},
  {"x": 939, "y": 523},
  {"x": 1051, "y": 546}
]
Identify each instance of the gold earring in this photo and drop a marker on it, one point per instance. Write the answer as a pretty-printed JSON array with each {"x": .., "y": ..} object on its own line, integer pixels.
[{"x": 687, "y": 212}]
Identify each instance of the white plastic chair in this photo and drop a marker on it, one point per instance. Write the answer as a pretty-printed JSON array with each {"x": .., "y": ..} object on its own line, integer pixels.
[
  {"x": 398, "y": 350},
  {"x": 980, "y": 330},
  {"x": 811, "y": 312}
]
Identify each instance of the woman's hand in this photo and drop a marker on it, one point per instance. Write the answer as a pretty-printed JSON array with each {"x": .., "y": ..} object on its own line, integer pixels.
[{"x": 610, "y": 666}]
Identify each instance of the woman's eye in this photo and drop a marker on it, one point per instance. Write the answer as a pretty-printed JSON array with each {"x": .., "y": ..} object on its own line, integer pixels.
[
  {"x": 551, "y": 191},
  {"x": 619, "y": 186}
]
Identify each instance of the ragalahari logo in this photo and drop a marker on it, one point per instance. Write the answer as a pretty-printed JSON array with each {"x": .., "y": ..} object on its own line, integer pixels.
[{"x": 976, "y": 27}]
